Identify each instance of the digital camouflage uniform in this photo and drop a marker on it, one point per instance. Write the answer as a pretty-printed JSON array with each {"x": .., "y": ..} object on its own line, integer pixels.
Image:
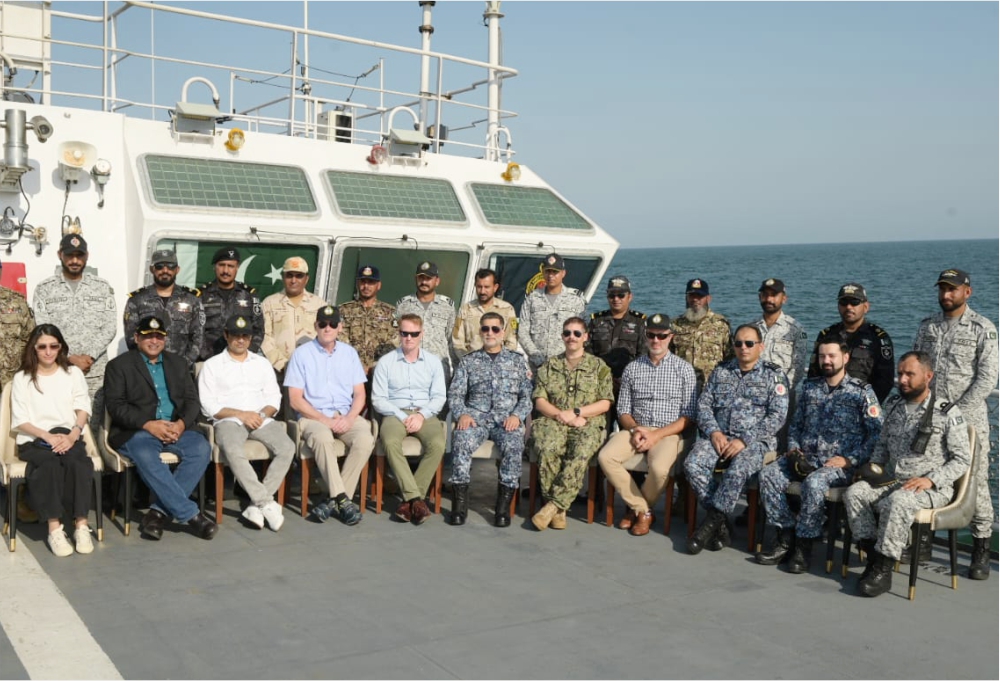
[
  {"x": 787, "y": 345},
  {"x": 540, "y": 327},
  {"x": 751, "y": 407},
  {"x": 439, "y": 321},
  {"x": 886, "y": 513},
  {"x": 489, "y": 390},
  {"x": 182, "y": 311},
  {"x": 372, "y": 331},
  {"x": 563, "y": 452},
  {"x": 16, "y": 325},
  {"x": 872, "y": 360},
  {"x": 219, "y": 306},
  {"x": 87, "y": 316},
  {"x": 841, "y": 421},
  {"x": 965, "y": 372},
  {"x": 703, "y": 344},
  {"x": 465, "y": 336}
]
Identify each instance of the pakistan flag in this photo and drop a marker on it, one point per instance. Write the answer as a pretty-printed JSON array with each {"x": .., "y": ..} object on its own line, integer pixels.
[{"x": 260, "y": 263}]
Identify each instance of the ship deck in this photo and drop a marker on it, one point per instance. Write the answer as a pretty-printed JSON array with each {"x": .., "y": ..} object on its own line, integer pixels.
[{"x": 390, "y": 600}]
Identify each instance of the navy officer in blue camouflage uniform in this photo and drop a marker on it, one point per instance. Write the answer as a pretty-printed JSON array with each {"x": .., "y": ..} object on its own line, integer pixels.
[
  {"x": 490, "y": 398},
  {"x": 740, "y": 411},
  {"x": 833, "y": 431},
  {"x": 224, "y": 298}
]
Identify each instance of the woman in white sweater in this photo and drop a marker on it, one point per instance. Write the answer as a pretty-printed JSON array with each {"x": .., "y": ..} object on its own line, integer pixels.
[{"x": 49, "y": 410}]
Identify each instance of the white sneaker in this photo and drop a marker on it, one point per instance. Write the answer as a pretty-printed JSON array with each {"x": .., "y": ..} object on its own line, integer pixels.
[
  {"x": 273, "y": 514},
  {"x": 59, "y": 543},
  {"x": 81, "y": 537},
  {"x": 253, "y": 514}
]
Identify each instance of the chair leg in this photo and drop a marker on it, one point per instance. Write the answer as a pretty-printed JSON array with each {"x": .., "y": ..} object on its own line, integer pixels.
[
  {"x": 668, "y": 504},
  {"x": 953, "y": 551},
  {"x": 98, "y": 477},
  {"x": 128, "y": 500},
  {"x": 219, "y": 492},
  {"x": 692, "y": 509},
  {"x": 363, "y": 501},
  {"x": 592, "y": 495},
  {"x": 201, "y": 495},
  {"x": 609, "y": 504},
  {"x": 379, "y": 481},
  {"x": 304, "y": 505},
  {"x": 845, "y": 560},
  {"x": 15, "y": 487},
  {"x": 115, "y": 494},
  {"x": 513, "y": 503},
  {"x": 833, "y": 522},
  {"x": 532, "y": 484},
  {"x": 752, "y": 503},
  {"x": 761, "y": 522},
  {"x": 438, "y": 482},
  {"x": 281, "y": 492},
  {"x": 914, "y": 559}
]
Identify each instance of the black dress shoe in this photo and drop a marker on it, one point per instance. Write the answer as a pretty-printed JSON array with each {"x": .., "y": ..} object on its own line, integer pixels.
[
  {"x": 203, "y": 527},
  {"x": 152, "y": 524}
]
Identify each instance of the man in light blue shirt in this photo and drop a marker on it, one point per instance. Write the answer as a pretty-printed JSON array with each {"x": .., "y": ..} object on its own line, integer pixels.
[
  {"x": 408, "y": 390},
  {"x": 326, "y": 387}
]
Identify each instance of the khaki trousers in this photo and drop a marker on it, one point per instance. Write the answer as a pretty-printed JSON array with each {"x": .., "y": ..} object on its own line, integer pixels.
[
  {"x": 358, "y": 442},
  {"x": 431, "y": 435},
  {"x": 659, "y": 460}
]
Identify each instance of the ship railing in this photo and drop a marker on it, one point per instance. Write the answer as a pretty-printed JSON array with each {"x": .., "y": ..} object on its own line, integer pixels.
[{"x": 298, "y": 111}]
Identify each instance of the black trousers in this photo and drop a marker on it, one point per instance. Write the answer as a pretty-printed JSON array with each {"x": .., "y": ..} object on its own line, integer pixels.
[{"x": 58, "y": 483}]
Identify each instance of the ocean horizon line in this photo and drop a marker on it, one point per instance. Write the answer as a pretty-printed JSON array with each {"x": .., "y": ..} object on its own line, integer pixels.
[{"x": 810, "y": 243}]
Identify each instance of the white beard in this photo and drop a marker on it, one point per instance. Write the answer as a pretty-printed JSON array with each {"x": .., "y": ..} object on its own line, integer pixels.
[{"x": 693, "y": 315}]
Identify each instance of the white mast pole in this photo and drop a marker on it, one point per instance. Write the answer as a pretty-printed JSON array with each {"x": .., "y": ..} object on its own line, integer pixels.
[
  {"x": 492, "y": 16},
  {"x": 426, "y": 29}
]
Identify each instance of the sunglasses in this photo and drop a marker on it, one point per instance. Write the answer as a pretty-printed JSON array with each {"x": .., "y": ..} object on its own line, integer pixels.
[
  {"x": 50, "y": 346},
  {"x": 153, "y": 334},
  {"x": 658, "y": 336},
  {"x": 164, "y": 266},
  {"x": 850, "y": 302},
  {"x": 617, "y": 295},
  {"x": 741, "y": 343},
  {"x": 294, "y": 275},
  {"x": 324, "y": 325},
  {"x": 409, "y": 334},
  {"x": 488, "y": 329},
  {"x": 572, "y": 332}
]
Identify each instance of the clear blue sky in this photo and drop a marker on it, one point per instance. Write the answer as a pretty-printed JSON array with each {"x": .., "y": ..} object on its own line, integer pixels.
[{"x": 705, "y": 123}]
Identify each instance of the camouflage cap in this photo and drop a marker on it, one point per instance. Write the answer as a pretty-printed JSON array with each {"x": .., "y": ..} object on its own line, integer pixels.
[
  {"x": 553, "y": 261},
  {"x": 226, "y": 253},
  {"x": 164, "y": 256},
  {"x": 954, "y": 278},
  {"x": 853, "y": 290},
  {"x": 239, "y": 325},
  {"x": 698, "y": 287},
  {"x": 658, "y": 322},
  {"x": 428, "y": 269},
  {"x": 72, "y": 243},
  {"x": 151, "y": 325},
  {"x": 296, "y": 264},
  {"x": 329, "y": 314}
]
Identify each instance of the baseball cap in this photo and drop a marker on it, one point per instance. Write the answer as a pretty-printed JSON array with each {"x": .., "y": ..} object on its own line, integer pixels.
[
  {"x": 72, "y": 243},
  {"x": 226, "y": 253},
  {"x": 428, "y": 269},
  {"x": 619, "y": 283},
  {"x": 369, "y": 272},
  {"x": 699, "y": 286},
  {"x": 955, "y": 278},
  {"x": 149, "y": 325},
  {"x": 853, "y": 290},
  {"x": 775, "y": 285},
  {"x": 553, "y": 261},
  {"x": 238, "y": 324},
  {"x": 658, "y": 322},
  {"x": 296, "y": 264},
  {"x": 164, "y": 256},
  {"x": 329, "y": 314}
]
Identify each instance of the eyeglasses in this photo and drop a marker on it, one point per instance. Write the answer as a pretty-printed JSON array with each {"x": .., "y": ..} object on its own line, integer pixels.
[
  {"x": 294, "y": 275},
  {"x": 324, "y": 325},
  {"x": 572, "y": 332},
  {"x": 409, "y": 334},
  {"x": 617, "y": 295},
  {"x": 163, "y": 266},
  {"x": 850, "y": 302},
  {"x": 489, "y": 329},
  {"x": 741, "y": 343},
  {"x": 153, "y": 334},
  {"x": 658, "y": 336},
  {"x": 50, "y": 346}
]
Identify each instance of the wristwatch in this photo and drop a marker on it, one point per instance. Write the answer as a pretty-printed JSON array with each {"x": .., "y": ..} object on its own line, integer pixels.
[
  {"x": 262, "y": 414},
  {"x": 576, "y": 410}
]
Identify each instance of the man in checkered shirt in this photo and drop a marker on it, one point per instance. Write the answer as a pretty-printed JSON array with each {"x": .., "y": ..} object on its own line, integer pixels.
[{"x": 656, "y": 404}]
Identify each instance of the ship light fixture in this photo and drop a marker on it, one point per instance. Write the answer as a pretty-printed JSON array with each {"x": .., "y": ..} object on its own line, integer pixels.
[
  {"x": 513, "y": 172},
  {"x": 378, "y": 155},
  {"x": 73, "y": 158},
  {"x": 237, "y": 138}
]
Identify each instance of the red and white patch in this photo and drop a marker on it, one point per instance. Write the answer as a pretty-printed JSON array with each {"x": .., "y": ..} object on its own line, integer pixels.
[
  {"x": 874, "y": 411},
  {"x": 780, "y": 389}
]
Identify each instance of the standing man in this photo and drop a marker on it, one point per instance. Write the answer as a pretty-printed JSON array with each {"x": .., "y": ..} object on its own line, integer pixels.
[
  {"x": 656, "y": 404},
  {"x": 437, "y": 312},
  {"x": 466, "y": 336},
  {"x": 240, "y": 395},
  {"x": 962, "y": 345},
  {"x": 833, "y": 432},
  {"x": 491, "y": 398},
  {"x": 743, "y": 406},
  {"x": 785, "y": 340},
  {"x": 409, "y": 393},
  {"x": 326, "y": 384},
  {"x": 83, "y": 306},
  {"x": 701, "y": 337},
  {"x": 290, "y": 316},
  {"x": 618, "y": 334},
  {"x": 923, "y": 450},
  {"x": 871, "y": 348},
  {"x": 545, "y": 310},
  {"x": 224, "y": 298},
  {"x": 369, "y": 325},
  {"x": 178, "y": 306},
  {"x": 153, "y": 403}
]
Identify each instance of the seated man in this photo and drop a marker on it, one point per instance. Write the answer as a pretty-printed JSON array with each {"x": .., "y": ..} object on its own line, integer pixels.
[
  {"x": 740, "y": 412},
  {"x": 490, "y": 397},
  {"x": 833, "y": 431},
  {"x": 153, "y": 403},
  {"x": 326, "y": 386},
  {"x": 656, "y": 404},
  {"x": 573, "y": 394},
  {"x": 408, "y": 391},
  {"x": 923, "y": 450},
  {"x": 240, "y": 395}
]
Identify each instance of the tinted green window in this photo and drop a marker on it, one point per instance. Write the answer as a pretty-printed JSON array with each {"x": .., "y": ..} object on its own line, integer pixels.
[
  {"x": 386, "y": 196},
  {"x": 398, "y": 268},
  {"x": 204, "y": 183},
  {"x": 525, "y": 207}
]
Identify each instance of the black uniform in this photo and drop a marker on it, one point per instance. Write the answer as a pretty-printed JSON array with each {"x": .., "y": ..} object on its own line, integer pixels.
[
  {"x": 617, "y": 341},
  {"x": 872, "y": 359},
  {"x": 221, "y": 304},
  {"x": 182, "y": 311}
]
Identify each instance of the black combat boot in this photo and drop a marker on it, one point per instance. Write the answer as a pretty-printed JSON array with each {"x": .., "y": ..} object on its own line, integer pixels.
[
  {"x": 801, "y": 555},
  {"x": 979, "y": 567},
  {"x": 459, "y": 504},
  {"x": 723, "y": 536},
  {"x": 925, "y": 542},
  {"x": 782, "y": 547},
  {"x": 501, "y": 514},
  {"x": 705, "y": 532},
  {"x": 868, "y": 546},
  {"x": 880, "y": 579}
]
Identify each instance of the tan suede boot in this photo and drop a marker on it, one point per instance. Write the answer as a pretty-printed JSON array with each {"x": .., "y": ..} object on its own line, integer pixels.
[
  {"x": 544, "y": 517},
  {"x": 558, "y": 521}
]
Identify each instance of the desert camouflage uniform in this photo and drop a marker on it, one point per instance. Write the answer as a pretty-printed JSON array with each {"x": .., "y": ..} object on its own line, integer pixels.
[
  {"x": 751, "y": 407},
  {"x": 372, "y": 331},
  {"x": 219, "y": 307},
  {"x": 285, "y": 325},
  {"x": 489, "y": 390},
  {"x": 563, "y": 452},
  {"x": 886, "y": 513},
  {"x": 965, "y": 372},
  {"x": 787, "y": 345},
  {"x": 87, "y": 316},
  {"x": 182, "y": 312},
  {"x": 703, "y": 344},
  {"x": 871, "y": 356},
  {"x": 841, "y": 421},
  {"x": 439, "y": 321},
  {"x": 465, "y": 336},
  {"x": 540, "y": 327},
  {"x": 16, "y": 325}
]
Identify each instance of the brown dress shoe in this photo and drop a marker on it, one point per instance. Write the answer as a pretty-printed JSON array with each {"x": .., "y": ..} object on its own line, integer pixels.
[
  {"x": 642, "y": 523},
  {"x": 419, "y": 511},
  {"x": 626, "y": 522},
  {"x": 403, "y": 512}
]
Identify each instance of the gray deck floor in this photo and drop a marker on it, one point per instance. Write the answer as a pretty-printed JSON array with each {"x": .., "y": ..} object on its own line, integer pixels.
[{"x": 388, "y": 600}]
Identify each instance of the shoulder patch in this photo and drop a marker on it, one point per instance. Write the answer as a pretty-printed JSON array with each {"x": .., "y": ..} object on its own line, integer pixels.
[
  {"x": 956, "y": 420},
  {"x": 780, "y": 389},
  {"x": 992, "y": 335},
  {"x": 636, "y": 314},
  {"x": 874, "y": 411}
]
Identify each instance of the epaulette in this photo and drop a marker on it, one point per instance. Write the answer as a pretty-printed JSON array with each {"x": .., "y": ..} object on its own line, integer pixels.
[
  {"x": 635, "y": 313},
  {"x": 443, "y": 297},
  {"x": 602, "y": 313},
  {"x": 851, "y": 380},
  {"x": 772, "y": 366},
  {"x": 945, "y": 406},
  {"x": 205, "y": 286},
  {"x": 193, "y": 291},
  {"x": 248, "y": 289},
  {"x": 879, "y": 331}
]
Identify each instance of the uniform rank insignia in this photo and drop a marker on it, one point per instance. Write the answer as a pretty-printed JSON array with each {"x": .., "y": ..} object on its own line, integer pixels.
[
  {"x": 241, "y": 323},
  {"x": 243, "y": 303},
  {"x": 183, "y": 307}
]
